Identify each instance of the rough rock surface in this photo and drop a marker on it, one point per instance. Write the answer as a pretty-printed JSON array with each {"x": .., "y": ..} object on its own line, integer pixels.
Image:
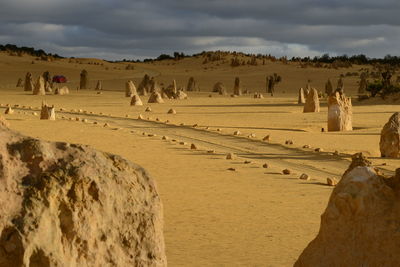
[
  {"x": 28, "y": 85},
  {"x": 155, "y": 97},
  {"x": 312, "y": 102},
  {"x": 99, "y": 86},
  {"x": 84, "y": 80},
  {"x": 220, "y": 88},
  {"x": 70, "y": 205},
  {"x": 136, "y": 101},
  {"x": 39, "y": 87},
  {"x": 191, "y": 86},
  {"x": 237, "y": 90},
  {"x": 360, "y": 224},
  {"x": 130, "y": 89},
  {"x": 47, "y": 112},
  {"x": 61, "y": 91},
  {"x": 340, "y": 114},
  {"x": 301, "y": 99},
  {"x": 390, "y": 137},
  {"x": 144, "y": 86}
]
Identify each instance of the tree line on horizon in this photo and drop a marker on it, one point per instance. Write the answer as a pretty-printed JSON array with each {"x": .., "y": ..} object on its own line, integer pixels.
[{"x": 360, "y": 59}]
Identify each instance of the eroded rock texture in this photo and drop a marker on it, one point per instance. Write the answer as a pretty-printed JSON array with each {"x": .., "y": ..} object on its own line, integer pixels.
[{"x": 70, "y": 205}]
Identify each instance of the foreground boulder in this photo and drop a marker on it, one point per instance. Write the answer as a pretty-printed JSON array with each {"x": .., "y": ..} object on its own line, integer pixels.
[
  {"x": 340, "y": 114},
  {"x": 312, "y": 102},
  {"x": 360, "y": 224},
  {"x": 70, "y": 205},
  {"x": 390, "y": 137}
]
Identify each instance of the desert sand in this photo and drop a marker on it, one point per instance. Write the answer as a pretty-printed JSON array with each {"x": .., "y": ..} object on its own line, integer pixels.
[{"x": 217, "y": 212}]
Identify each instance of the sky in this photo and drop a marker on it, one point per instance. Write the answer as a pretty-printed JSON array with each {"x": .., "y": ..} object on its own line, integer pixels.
[{"x": 138, "y": 29}]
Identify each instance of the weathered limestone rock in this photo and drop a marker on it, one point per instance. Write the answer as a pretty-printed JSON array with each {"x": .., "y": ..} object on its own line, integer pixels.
[
  {"x": 61, "y": 91},
  {"x": 258, "y": 95},
  {"x": 390, "y": 137},
  {"x": 301, "y": 99},
  {"x": 9, "y": 110},
  {"x": 220, "y": 88},
  {"x": 84, "y": 80},
  {"x": 136, "y": 101},
  {"x": 70, "y": 205},
  {"x": 130, "y": 89},
  {"x": 362, "y": 87},
  {"x": 340, "y": 113},
  {"x": 39, "y": 87},
  {"x": 20, "y": 83},
  {"x": 191, "y": 86},
  {"x": 47, "y": 112},
  {"x": 145, "y": 85},
  {"x": 99, "y": 86},
  {"x": 340, "y": 85},
  {"x": 237, "y": 90},
  {"x": 28, "y": 85},
  {"x": 154, "y": 86},
  {"x": 312, "y": 102},
  {"x": 181, "y": 95},
  {"x": 155, "y": 97},
  {"x": 328, "y": 87},
  {"x": 359, "y": 226}
]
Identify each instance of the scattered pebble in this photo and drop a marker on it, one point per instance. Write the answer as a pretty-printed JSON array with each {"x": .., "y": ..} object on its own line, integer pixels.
[
  {"x": 247, "y": 162},
  {"x": 306, "y": 146},
  {"x": 171, "y": 111},
  {"x": 211, "y": 151},
  {"x": 193, "y": 146},
  {"x": 266, "y": 138},
  {"x": 331, "y": 181},
  {"x": 231, "y": 169},
  {"x": 230, "y": 156},
  {"x": 289, "y": 142},
  {"x": 318, "y": 149},
  {"x": 286, "y": 171},
  {"x": 252, "y": 135},
  {"x": 265, "y": 166},
  {"x": 237, "y": 133},
  {"x": 164, "y": 137},
  {"x": 304, "y": 177},
  {"x": 106, "y": 125},
  {"x": 182, "y": 143},
  {"x": 148, "y": 109},
  {"x": 140, "y": 117}
]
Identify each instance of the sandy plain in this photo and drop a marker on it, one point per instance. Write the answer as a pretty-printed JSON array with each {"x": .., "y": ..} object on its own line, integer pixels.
[{"x": 252, "y": 216}]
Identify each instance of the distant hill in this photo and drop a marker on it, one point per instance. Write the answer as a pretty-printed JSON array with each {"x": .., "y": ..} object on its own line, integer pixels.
[{"x": 23, "y": 50}]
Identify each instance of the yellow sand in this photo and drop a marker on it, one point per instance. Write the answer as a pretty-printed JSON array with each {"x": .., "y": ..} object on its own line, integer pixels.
[{"x": 213, "y": 216}]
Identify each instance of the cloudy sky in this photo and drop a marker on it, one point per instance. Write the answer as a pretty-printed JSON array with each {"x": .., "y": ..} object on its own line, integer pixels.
[{"x": 117, "y": 29}]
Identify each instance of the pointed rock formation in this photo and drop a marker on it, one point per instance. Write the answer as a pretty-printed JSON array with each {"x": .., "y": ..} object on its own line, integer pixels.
[
  {"x": 301, "y": 99},
  {"x": 340, "y": 85},
  {"x": 390, "y": 137},
  {"x": 312, "y": 102},
  {"x": 270, "y": 80},
  {"x": 360, "y": 224},
  {"x": 328, "y": 87},
  {"x": 340, "y": 114},
  {"x": 136, "y": 101},
  {"x": 59, "y": 207},
  {"x": 20, "y": 83},
  {"x": 144, "y": 86},
  {"x": 191, "y": 86},
  {"x": 171, "y": 111},
  {"x": 28, "y": 85},
  {"x": 9, "y": 110},
  {"x": 155, "y": 97},
  {"x": 258, "y": 95},
  {"x": 99, "y": 86},
  {"x": 130, "y": 89},
  {"x": 39, "y": 87},
  {"x": 84, "y": 80},
  {"x": 154, "y": 86},
  {"x": 237, "y": 90},
  {"x": 47, "y": 112},
  {"x": 171, "y": 91},
  {"x": 362, "y": 87}
]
